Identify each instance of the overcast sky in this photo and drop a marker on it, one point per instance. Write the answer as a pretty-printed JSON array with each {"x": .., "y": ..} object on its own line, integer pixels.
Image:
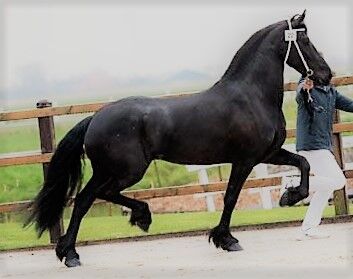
[{"x": 120, "y": 40}]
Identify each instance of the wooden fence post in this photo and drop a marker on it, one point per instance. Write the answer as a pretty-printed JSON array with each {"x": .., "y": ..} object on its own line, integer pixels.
[
  {"x": 339, "y": 196},
  {"x": 47, "y": 143}
]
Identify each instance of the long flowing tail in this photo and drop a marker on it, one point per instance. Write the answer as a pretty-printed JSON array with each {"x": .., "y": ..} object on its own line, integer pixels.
[{"x": 64, "y": 179}]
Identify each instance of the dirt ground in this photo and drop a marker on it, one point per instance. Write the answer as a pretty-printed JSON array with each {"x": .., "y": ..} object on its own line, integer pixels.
[{"x": 271, "y": 253}]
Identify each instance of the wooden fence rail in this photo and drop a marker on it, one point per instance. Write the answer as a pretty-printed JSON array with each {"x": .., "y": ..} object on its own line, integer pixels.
[
  {"x": 86, "y": 108},
  {"x": 33, "y": 157},
  {"x": 167, "y": 191},
  {"x": 44, "y": 113}
]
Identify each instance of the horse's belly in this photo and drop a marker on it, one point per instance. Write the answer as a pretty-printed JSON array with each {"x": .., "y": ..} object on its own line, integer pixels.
[
  {"x": 193, "y": 153},
  {"x": 212, "y": 150}
]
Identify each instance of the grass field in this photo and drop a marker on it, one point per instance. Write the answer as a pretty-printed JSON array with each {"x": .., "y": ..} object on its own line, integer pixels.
[
  {"x": 97, "y": 228},
  {"x": 22, "y": 182}
]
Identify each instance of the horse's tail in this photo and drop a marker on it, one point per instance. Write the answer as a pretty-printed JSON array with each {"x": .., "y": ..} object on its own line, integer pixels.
[{"x": 63, "y": 179}]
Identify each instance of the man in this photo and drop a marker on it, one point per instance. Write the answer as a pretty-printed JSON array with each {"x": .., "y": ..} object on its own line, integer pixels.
[{"x": 316, "y": 106}]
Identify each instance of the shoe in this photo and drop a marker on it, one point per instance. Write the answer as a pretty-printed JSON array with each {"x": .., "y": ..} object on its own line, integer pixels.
[{"x": 312, "y": 233}]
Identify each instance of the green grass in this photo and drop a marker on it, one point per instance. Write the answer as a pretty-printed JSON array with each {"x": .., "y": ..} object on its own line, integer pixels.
[
  {"x": 23, "y": 182},
  {"x": 97, "y": 228}
]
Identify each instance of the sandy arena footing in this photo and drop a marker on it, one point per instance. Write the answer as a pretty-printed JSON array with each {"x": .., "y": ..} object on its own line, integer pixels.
[{"x": 269, "y": 253}]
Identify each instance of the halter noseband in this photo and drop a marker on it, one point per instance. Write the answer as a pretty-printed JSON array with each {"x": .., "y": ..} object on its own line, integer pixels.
[{"x": 290, "y": 36}]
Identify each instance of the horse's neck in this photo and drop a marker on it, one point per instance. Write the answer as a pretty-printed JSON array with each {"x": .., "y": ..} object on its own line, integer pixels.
[
  {"x": 261, "y": 67},
  {"x": 258, "y": 65}
]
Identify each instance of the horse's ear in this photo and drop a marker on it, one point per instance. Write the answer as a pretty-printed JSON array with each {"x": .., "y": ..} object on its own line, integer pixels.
[
  {"x": 298, "y": 19},
  {"x": 302, "y": 16}
]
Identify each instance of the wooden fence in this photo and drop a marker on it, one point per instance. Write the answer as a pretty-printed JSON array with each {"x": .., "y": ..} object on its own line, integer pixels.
[{"x": 45, "y": 112}]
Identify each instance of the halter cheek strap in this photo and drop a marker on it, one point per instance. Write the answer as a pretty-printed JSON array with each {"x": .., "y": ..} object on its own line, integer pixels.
[{"x": 290, "y": 36}]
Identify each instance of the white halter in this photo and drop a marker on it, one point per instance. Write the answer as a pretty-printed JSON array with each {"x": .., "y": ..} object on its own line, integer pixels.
[{"x": 290, "y": 36}]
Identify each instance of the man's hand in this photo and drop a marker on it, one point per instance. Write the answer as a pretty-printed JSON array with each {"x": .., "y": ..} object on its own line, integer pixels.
[{"x": 308, "y": 84}]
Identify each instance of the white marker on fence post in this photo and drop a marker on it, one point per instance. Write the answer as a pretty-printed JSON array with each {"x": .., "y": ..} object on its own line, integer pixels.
[
  {"x": 265, "y": 193},
  {"x": 203, "y": 179}
]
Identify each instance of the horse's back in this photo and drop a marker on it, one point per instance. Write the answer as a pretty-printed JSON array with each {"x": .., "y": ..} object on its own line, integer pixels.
[
  {"x": 209, "y": 127},
  {"x": 157, "y": 125}
]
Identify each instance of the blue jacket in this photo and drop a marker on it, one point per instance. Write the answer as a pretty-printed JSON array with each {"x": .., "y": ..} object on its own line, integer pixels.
[{"x": 318, "y": 134}]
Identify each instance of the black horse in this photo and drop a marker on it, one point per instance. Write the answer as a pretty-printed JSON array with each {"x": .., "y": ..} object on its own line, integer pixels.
[{"x": 239, "y": 120}]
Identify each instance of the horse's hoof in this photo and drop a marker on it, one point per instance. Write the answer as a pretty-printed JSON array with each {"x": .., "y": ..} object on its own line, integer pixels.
[
  {"x": 141, "y": 218},
  {"x": 72, "y": 262},
  {"x": 72, "y": 259},
  {"x": 232, "y": 247},
  {"x": 222, "y": 238},
  {"x": 230, "y": 244},
  {"x": 290, "y": 197},
  {"x": 143, "y": 226}
]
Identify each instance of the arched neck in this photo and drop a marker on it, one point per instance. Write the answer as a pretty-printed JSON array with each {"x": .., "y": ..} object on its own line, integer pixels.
[{"x": 259, "y": 61}]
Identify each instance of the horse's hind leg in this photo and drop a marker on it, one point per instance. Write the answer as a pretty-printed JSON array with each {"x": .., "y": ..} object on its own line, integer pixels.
[
  {"x": 140, "y": 212},
  {"x": 221, "y": 235},
  {"x": 65, "y": 247},
  {"x": 134, "y": 167}
]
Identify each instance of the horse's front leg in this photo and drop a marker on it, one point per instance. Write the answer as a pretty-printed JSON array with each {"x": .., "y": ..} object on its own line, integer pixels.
[
  {"x": 221, "y": 235},
  {"x": 293, "y": 195}
]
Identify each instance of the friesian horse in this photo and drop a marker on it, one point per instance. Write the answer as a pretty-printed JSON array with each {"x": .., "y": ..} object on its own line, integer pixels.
[{"x": 239, "y": 120}]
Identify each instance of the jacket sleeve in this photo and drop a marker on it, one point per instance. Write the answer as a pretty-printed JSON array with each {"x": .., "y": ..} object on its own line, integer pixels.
[{"x": 343, "y": 103}]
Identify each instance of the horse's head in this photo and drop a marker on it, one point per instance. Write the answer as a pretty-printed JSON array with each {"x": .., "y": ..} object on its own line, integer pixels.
[{"x": 311, "y": 59}]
